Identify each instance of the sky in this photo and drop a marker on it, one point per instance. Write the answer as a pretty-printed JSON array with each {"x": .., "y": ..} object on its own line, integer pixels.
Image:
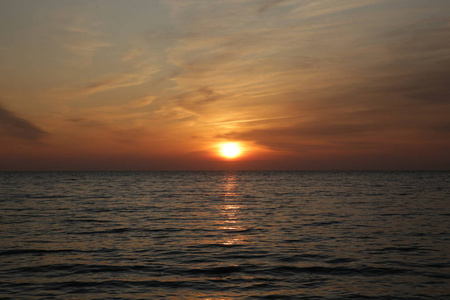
[{"x": 159, "y": 85}]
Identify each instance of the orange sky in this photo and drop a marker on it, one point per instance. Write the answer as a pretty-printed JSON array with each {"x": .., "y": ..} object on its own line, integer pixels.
[{"x": 158, "y": 85}]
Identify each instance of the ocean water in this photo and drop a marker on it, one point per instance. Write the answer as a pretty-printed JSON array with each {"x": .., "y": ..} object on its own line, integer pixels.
[{"x": 225, "y": 235}]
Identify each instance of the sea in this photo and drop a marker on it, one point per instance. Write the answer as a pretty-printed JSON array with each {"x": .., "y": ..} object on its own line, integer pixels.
[{"x": 225, "y": 235}]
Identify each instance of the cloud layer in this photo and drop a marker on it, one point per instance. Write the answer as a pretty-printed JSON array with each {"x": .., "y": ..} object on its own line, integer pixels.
[
  {"x": 299, "y": 83},
  {"x": 353, "y": 73}
]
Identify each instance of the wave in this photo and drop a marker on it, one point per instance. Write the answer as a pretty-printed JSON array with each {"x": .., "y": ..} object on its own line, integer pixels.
[
  {"x": 57, "y": 270},
  {"x": 115, "y": 230},
  {"x": 250, "y": 269},
  {"x": 49, "y": 252},
  {"x": 34, "y": 251},
  {"x": 319, "y": 270},
  {"x": 293, "y": 235}
]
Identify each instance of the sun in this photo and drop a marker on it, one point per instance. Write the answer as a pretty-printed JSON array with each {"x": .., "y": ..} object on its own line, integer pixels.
[{"x": 230, "y": 150}]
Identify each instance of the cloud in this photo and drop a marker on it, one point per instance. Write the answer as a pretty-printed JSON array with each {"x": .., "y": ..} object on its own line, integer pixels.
[
  {"x": 200, "y": 97},
  {"x": 421, "y": 52},
  {"x": 85, "y": 122},
  {"x": 269, "y": 4},
  {"x": 114, "y": 82},
  {"x": 80, "y": 37},
  {"x": 300, "y": 135},
  {"x": 237, "y": 60},
  {"x": 14, "y": 126},
  {"x": 229, "y": 48},
  {"x": 105, "y": 83},
  {"x": 143, "y": 101},
  {"x": 84, "y": 49}
]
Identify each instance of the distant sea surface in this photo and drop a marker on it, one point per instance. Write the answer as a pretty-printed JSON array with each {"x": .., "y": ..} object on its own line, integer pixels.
[{"x": 225, "y": 235}]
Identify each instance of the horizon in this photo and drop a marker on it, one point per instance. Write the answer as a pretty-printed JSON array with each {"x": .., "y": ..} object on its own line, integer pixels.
[
  {"x": 220, "y": 171},
  {"x": 164, "y": 85}
]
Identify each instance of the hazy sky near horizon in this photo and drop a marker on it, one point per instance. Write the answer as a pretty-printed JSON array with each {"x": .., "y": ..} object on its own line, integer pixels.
[{"x": 156, "y": 85}]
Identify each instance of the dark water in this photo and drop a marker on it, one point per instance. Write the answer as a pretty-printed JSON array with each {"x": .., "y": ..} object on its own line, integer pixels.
[{"x": 219, "y": 235}]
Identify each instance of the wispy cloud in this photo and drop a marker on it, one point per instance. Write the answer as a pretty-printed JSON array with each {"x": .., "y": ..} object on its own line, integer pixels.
[
  {"x": 348, "y": 73},
  {"x": 84, "y": 50},
  {"x": 105, "y": 83},
  {"x": 80, "y": 37},
  {"x": 114, "y": 82},
  {"x": 268, "y": 4},
  {"x": 279, "y": 75}
]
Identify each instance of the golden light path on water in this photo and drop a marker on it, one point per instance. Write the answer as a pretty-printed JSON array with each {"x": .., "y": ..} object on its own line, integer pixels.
[{"x": 230, "y": 210}]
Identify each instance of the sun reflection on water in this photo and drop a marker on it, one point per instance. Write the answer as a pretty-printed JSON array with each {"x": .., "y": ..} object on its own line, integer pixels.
[{"x": 231, "y": 223}]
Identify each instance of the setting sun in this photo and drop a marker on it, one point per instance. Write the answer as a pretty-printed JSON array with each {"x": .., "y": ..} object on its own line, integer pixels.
[{"x": 230, "y": 150}]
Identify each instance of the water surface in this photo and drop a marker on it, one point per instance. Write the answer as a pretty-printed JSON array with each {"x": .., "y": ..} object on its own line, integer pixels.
[{"x": 225, "y": 235}]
